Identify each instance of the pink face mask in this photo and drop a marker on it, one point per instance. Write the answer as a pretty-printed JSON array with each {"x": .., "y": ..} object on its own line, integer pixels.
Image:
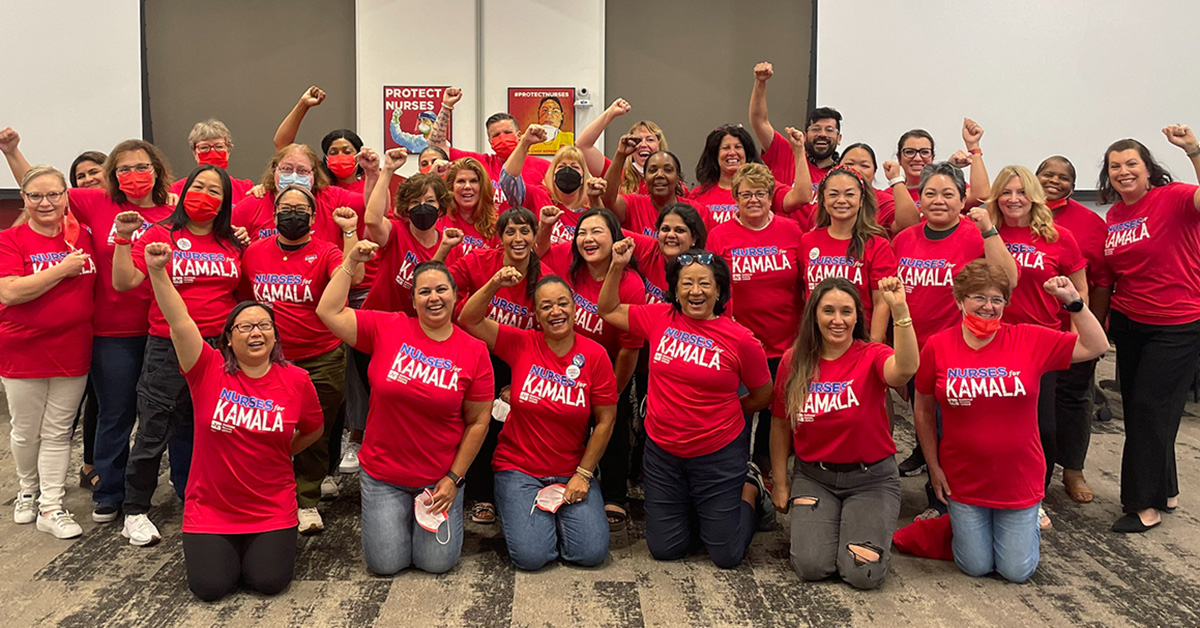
[
  {"x": 550, "y": 498},
  {"x": 426, "y": 519}
]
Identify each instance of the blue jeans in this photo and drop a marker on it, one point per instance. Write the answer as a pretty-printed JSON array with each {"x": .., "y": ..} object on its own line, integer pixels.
[
  {"x": 995, "y": 539},
  {"x": 391, "y": 538},
  {"x": 116, "y": 364},
  {"x": 577, "y": 532}
]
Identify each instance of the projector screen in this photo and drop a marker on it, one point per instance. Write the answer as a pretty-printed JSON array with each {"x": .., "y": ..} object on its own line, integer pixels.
[
  {"x": 72, "y": 77},
  {"x": 1041, "y": 78}
]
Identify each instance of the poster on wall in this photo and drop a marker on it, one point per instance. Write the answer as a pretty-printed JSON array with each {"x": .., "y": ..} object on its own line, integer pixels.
[
  {"x": 408, "y": 116},
  {"x": 552, "y": 107}
]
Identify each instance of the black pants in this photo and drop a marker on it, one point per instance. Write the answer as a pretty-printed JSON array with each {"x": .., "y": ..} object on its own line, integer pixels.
[
  {"x": 761, "y": 453},
  {"x": 1157, "y": 364},
  {"x": 217, "y": 563},
  {"x": 481, "y": 487},
  {"x": 614, "y": 465},
  {"x": 1047, "y": 423},
  {"x": 89, "y": 408},
  {"x": 1073, "y": 412}
]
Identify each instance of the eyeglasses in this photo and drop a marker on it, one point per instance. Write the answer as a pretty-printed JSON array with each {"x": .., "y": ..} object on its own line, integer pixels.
[
  {"x": 704, "y": 259},
  {"x": 760, "y": 195},
  {"x": 202, "y": 148},
  {"x": 913, "y": 152},
  {"x": 135, "y": 167},
  {"x": 979, "y": 299},
  {"x": 303, "y": 209},
  {"x": 290, "y": 170},
  {"x": 831, "y": 130},
  {"x": 36, "y": 199},
  {"x": 246, "y": 328}
]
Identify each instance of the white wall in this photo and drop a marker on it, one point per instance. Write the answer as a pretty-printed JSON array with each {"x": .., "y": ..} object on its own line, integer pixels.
[
  {"x": 1067, "y": 77},
  {"x": 72, "y": 77},
  {"x": 525, "y": 43}
]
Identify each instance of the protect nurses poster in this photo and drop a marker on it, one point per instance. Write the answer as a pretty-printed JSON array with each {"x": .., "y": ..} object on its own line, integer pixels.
[
  {"x": 551, "y": 107},
  {"x": 408, "y": 116}
]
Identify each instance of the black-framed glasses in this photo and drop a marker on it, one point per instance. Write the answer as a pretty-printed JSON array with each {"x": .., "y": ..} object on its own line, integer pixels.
[
  {"x": 980, "y": 299},
  {"x": 263, "y": 326},
  {"x": 303, "y": 209},
  {"x": 760, "y": 195},
  {"x": 202, "y": 148},
  {"x": 36, "y": 198},
  {"x": 704, "y": 259},
  {"x": 913, "y": 152}
]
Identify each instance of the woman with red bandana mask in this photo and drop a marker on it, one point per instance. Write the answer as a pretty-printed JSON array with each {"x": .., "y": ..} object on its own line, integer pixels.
[
  {"x": 136, "y": 180},
  {"x": 988, "y": 467},
  {"x": 211, "y": 143},
  {"x": 206, "y": 267}
]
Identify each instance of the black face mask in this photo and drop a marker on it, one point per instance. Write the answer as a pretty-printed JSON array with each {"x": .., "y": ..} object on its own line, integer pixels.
[
  {"x": 293, "y": 225},
  {"x": 567, "y": 180},
  {"x": 423, "y": 216}
]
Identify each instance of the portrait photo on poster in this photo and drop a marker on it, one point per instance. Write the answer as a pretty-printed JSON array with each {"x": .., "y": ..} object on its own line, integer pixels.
[
  {"x": 551, "y": 107},
  {"x": 408, "y": 116}
]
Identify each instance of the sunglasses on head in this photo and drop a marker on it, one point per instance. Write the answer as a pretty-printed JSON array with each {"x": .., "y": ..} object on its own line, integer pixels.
[{"x": 704, "y": 259}]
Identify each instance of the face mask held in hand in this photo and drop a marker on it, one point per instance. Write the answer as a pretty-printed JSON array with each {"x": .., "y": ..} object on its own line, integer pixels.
[{"x": 427, "y": 520}]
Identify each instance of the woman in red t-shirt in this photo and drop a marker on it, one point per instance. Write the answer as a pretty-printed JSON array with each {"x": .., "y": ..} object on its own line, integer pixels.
[
  {"x": 211, "y": 142},
  {"x": 1042, "y": 251},
  {"x": 431, "y": 400},
  {"x": 289, "y": 272},
  {"x": 650, "y": 140},
  {"x": 830, "y": 410},
  {"x": 562, "y": 385},
  {"x": 473, "y": 211},
  {"x": 562, "y": 186},
  {"x": 988, "y": 466},
  {"x": 639, "y": 212},
  {"x": 256, "y": 411},
  {"x": 893, "y": 213},
  {"x": 339, "y": 148},
  {"x": 1073, "y": 395},
  {"x": 1153, "y": 253},
  {"x": 697, "y": 453},
  {"x": 47, "y": 278},
  {"x": 728, "y": 148},
  {"x": 914, "y": 151},
  {"x": 206, "y": 265},
  {"x": 849, "y": 243}
]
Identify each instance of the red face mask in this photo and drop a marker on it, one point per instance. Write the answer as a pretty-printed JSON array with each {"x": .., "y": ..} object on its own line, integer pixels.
[
  {"x": 504, "y": 144},
  {"x": 1056, "y": 204},
  {"x": 136, "y": 184},
  {"x": 981, "y": 327},
  {"x": 218, "y": 158},
  {"x": 201, "y": 206},
  {"x": 427, "y": 168},
  {"x": 342, "y": 165}
]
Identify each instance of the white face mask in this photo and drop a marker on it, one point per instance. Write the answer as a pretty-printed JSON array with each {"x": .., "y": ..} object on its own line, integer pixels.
[
  {"x": 638, "y": 168},
  {"x": 551, "y": 132},
  {"x": 550, "y": 498},
  {"x": 424, "y": 128},
  {"x": 428, "y": 520}
]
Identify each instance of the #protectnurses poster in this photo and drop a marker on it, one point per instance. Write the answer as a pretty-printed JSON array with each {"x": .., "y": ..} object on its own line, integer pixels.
[{"x": 552, "y": 107}]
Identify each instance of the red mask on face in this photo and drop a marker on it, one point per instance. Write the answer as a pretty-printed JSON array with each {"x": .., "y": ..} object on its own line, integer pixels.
[
  {"x": 981, "y": 327},
  {"x": 427, "y": 168},
  {"x": 342, "y": 165},
  {"x": 504, "y": 144},
  {"x": 201, "y": 206},
  {"x": 136, "y": 184},
  {"x": 1054, "y": 205},
  {"x": 218, "y": 158}
]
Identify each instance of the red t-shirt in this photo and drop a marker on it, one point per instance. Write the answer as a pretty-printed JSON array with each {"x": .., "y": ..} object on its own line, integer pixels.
[
  {"x": 50, "y": 336},
  {"x": 1038, "y": 261},
  {"x": 927, "y": 268},
  {"x": 588, "y": 322},
  {"x": 472, "y": 239},
  {"x": 1153, "y": 251},
  {"x": 418, "y": 387},
  {"x": 844, "y": 418},
  {"x": 885, "y": 209},
  {"x": 398, "y": 258},
  {"x": 533, "y": 172},
  {"x": 653, "y": 266},
  {"x": 510, "y": 306},
  {"x": 722, "y": 207},
  {"x": 1089, "y": 230},
  {"x": 118, "y": 314},
  {"x": 696, "y": 368},
  {"x": 206, "y": 273},
  {"x": 768, "y": 295},
  {"x": 241, "y": 187},
  {"x": 782, "y": 162},
  {"x": 537, "y": 197},
  {"x": 642, "y": 217},
  {"x": 257, "y": 215},
  {"x": 641, "y": 188},
  {"x": 990, "y": 448},
  {"x": 552, "y": 400},
  {"x": 824, "y": 256},
  {"x": 292, "y": 282},
  {"x": 242, "y": 480},
  {"x": 357, "y": 186}
]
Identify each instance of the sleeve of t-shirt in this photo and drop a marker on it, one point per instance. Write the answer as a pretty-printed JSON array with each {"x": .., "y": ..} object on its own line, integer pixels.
[
  {"x": 779, "y": 392},
  {"x": 642, "y": 318},
  {"x": 355, "y": 201},
  {"x": 138, "y": 250},
  {"x": 1180, "y": 198},
  {"x": 513, "y": 189},
  {"x": 558, "y": 258},
  {"x": 12, "y": 260},
  {"x": 333, "y": 259},
  {"x": 631, "y": 290},
  {"x": 604, "y": 381},
  {"x": 536, "y": 197},
  {"x": 311, "y": 418},
  {"x": 885, "y": 213},
  {"x": 460, "y": 272},
  {"x": 210, "y": 360},
  {"x": 510, "y": 342},
  {"x": 753, "y": 359},
  {"x": 883, "y": 261},
  {"x": 926, "y": 378},
  {"x": 1050, "y": 348},
  {"x": 83, "y": 204},
  {"x": 780, "y": 159},
  {"x": 781, "y": 191},
  {"x": 881, "y": 353},
  {"x": 1071, "y": 258},
  {"x": 370, "y": 324},
  {"x": 243, "y": 213},
  {"x": 483, "y": 382}
]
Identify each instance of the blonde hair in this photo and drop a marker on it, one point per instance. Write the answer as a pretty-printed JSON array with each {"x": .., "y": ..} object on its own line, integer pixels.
[
  {"x": 41, "y": 171},
  {"x": 565, "y": 153},
  {"x": 210, "y": 129},
  {"x": 1041, "y": 217},
  {"x": 320, "y": 180},
  {"x": 755, "y": 176},
  {"x": 484, "y": 216},
  {"x": 631, "y": 180}
]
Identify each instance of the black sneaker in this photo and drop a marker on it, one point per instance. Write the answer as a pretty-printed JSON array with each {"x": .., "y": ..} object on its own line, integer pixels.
[
  {"x": 764, "y": 508},
  {"x": 104, "y": 513},
  {"x": 914, "y": 464}
]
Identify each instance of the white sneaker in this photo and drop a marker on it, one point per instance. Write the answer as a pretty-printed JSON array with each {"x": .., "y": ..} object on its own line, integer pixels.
[
  {"x": 349, "y": 463},
  {"x": 310, "y": 521},
  {"x": 140, "y": 531},
  {"x": 59, "y": 523},
  {"x": 329, "y": 488},
  {"x": 25, "y": 508}
]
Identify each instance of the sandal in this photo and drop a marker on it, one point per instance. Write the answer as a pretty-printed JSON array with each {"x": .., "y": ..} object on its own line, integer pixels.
[
  {"x": 1077, "y": 487},
  {"x": 89, "y": 480},
  {"x": 617, "y": 517},
  {"x": 483, "y": 513}
]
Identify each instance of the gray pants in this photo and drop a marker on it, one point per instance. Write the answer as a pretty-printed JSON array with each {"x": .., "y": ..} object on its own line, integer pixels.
[{"x": 858, "y": 508}]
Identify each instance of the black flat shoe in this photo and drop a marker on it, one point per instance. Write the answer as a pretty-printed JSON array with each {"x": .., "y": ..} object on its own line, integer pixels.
[{"x": 1131, "y": 523}]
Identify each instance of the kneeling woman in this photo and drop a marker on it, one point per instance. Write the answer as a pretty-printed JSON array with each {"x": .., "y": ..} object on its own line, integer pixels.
[
  {"x": 988, "y": 467},
  {"x": 256, "y": 411},
  {"x": 550, "y": 505},
  {"x": 697, "y": 462},
  {"x": 845, "y": 485},
  {"x": 431, "y": 400}
]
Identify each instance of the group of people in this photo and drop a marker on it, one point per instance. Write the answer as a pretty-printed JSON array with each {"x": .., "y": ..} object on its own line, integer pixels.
[{"x": 534, "y": 335}]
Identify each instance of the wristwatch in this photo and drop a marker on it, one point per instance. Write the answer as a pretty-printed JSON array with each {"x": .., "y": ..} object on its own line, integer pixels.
[
  {"x": 991, "y": 232},
  {"x": 454, "y": 477},
  {"x": 1074, "y": 306},
  {"x": 894, "y": 180}
]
